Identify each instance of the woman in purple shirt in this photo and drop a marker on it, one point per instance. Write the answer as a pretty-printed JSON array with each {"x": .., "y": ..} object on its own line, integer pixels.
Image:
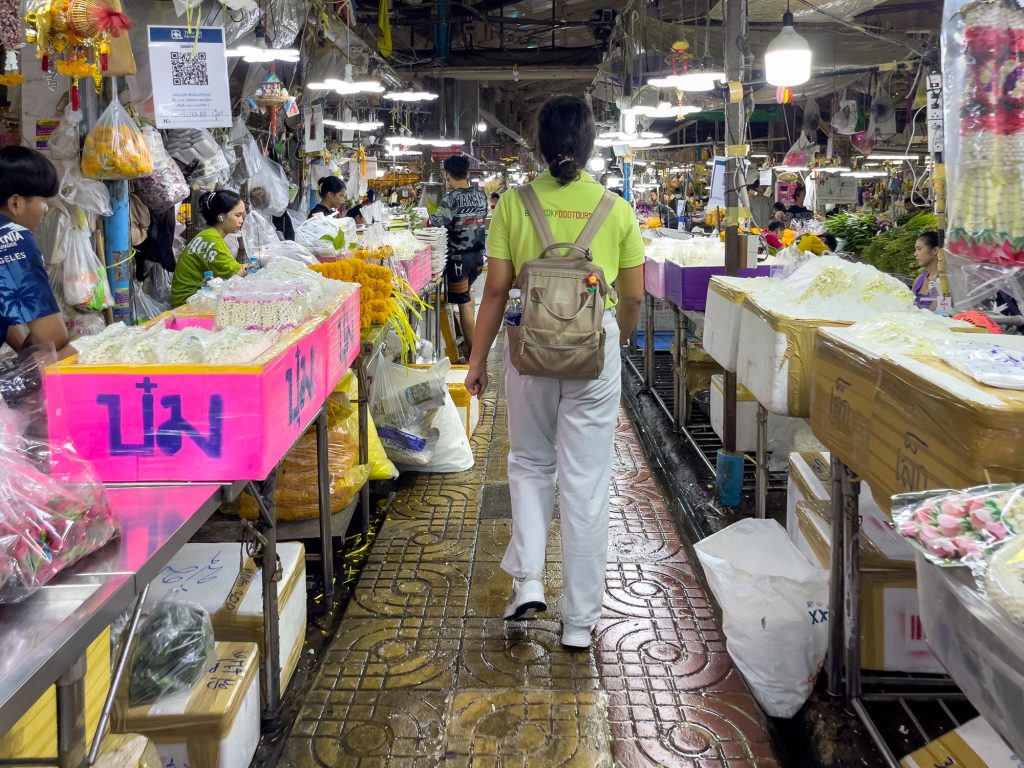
[{"x": 926, "y": 287}]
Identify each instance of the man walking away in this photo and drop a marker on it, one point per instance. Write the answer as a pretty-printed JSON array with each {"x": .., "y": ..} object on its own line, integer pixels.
[{"x": 463, "y": 212}]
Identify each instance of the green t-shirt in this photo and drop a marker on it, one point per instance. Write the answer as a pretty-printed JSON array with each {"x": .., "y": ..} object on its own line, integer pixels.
[
  {"x": 618, "y": 244},
  {"x": 206, "y": 253}
]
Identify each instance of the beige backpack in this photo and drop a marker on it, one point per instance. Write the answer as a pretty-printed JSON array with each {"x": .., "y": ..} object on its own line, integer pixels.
[{"x": 561, "y": 334}]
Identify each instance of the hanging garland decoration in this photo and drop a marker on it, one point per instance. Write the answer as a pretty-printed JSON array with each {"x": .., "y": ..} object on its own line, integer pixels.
[
  {"x": 12, "y": 75},
  {"x": 72, "y": 37}
]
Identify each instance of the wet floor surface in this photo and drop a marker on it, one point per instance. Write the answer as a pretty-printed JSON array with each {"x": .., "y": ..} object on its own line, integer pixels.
[{"x": 423, "y": 671}]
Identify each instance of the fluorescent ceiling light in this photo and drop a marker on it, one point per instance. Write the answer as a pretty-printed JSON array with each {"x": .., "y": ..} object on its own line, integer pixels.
[
  {"x": 689, "y": 81},
  {"x": 759, "y": 155},
  {"x": 866, "y": 174},
  {"x": 348, "y": 86},
  {"x": 623, "y": 136},
  {"x": 409, "y": 141},
  {"x": 787, "y": 60},
  {"x": 891, "y": 156},
  {"x": 663, "y": 109},
  {"x": 597, "y": 164},
  {"x": 791, "y": 168},
  {"x": 834, "y": 169},
  {"x": 348, "y": 125},
  {"x": 255, "y": 54},
  {"x": 481, "y": 127},
  {"x": 410, "y": 95},
  {"x": 399, "y": 152}
]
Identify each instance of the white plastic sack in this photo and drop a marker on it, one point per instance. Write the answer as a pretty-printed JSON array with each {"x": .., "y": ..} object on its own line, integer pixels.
[
  {"x": 283, "y": 249},
  {"x": 311, "y": 232},
  {"x": 258, "y": 233},
  {"x": 774, "y": 610},
  {"x": 452, "y": 452}
]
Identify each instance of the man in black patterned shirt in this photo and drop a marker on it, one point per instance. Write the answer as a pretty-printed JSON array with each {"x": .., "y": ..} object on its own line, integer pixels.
[{"x": 463, "y": 212}]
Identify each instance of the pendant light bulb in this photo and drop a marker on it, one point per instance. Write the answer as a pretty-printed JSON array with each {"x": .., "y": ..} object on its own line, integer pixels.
[{"x": 787, "y": 60}]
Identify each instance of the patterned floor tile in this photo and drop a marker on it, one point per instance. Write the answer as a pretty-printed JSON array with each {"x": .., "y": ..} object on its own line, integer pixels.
[
  {"x": 491, "y": 588},
  {"x": 528, "y": 728},
  {"x": 360, "y": 729},
  {"x": 423, "y": 671},
  {"x": 498, "y": 654},
  {"x": 407, "y": 588},
  {"x": 384, "y": 654}
]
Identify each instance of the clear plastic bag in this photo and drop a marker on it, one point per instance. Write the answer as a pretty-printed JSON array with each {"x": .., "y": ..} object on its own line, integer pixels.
[
  {"x": 268, "y": 189},
  {"x": 173, "y": 651},
  {"x": 958, "y": 527},
  {"x": 264, "y": 305},
  {"x": 258, "y": 233},
  {"x": 144, "y": 306},
  {"x": 316, "y": 231},
  {"x": 452, "y": 452},
  {"x": 85, "y": 279},
  {"x": 158, "y": 283},
  {"x": 166, "y": 185},
  {"x": 296, "y": 497},
  {"x": 64, "y": 145},
  {"x": 53, "y": 507},
  {"x": 242, "y": 142},
  {"x": 88, "y": 194},
  {"x": 115, "y": 147},
  {"x": 987, "y": 363},
  {"x": 404, "y": 402},
  {"x": 283, "y": 249}
]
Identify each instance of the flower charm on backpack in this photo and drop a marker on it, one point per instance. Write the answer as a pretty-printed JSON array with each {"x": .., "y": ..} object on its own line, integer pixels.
[{"x": 592, "y": 282}]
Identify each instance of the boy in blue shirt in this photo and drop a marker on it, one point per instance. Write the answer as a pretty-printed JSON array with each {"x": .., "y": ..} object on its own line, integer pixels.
[{"x": 27, "y": 179}]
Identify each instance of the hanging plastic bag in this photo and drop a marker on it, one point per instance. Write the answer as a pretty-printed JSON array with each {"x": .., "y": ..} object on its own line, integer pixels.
[
  {"x": 381, "y": 467},
  {"x": 115, "y": 148},
  {"x": 144, "y": 306},
  {"x": 174, "y": 650},
  {"x": 242, "y": 141},
  {"x": 166, "y": 185},
  {"x": 774, "y": 610},
  {"x": 268, "y": 189},
  {"x": 64, "y": 144},
  {"x": 158, "y": 283},
  {"x": 88, "y": 194},
  {"x": 85, "y": 279},
  {"x": 258, "y": 233}
]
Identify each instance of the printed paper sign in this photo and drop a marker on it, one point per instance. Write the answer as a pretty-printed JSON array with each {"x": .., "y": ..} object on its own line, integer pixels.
[{"x": 190, "y": 77}]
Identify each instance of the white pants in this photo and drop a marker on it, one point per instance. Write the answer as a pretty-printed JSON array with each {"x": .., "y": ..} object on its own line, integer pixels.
[{"x": 565, "y": 428}]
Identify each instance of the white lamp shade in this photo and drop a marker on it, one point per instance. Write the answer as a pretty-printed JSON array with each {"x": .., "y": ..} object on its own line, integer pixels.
[{"x": 787, "y": 61}]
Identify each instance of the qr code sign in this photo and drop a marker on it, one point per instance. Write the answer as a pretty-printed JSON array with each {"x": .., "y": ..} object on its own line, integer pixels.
[{"x": 187, "y": 69}]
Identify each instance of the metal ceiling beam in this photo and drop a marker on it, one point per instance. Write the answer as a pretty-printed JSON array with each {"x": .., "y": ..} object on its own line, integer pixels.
[
  {"x": 502, "y": 128},
  {"x": 506, "y": 73}
]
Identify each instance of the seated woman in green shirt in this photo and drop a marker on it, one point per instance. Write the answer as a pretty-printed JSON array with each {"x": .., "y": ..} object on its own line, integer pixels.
[{"x": 224, "y": 213}]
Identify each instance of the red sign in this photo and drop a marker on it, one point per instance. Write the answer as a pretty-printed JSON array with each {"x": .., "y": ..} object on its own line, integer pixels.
[{"x": 443, "y": 153}]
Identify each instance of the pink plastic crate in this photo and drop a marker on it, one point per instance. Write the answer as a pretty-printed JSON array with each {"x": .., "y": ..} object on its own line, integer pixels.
[
  {"x": 175, "y": 423},
  {"x": 417, "y": 270},
  {"x": 654, "y": 278}
]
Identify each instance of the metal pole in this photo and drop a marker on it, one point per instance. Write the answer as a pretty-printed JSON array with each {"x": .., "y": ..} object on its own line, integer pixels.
[
  {"x": 735, "y": 129},
  {"x": 851, "y": 567},
  {"x": 761, "y": 478},
  {"x": 648, "y": 341},
  {"x": 71, "y": 716},
  {"x": 324, "y": 498},
  {"x": 364, "y": 414},
  {"x": 835, "y": 602},
  {"x": 117, "y": 247}
]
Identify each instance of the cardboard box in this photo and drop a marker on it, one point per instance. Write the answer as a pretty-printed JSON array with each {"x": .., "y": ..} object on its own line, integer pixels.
[
  {"x": 844, "y": 383},
  {"x": 170, "y": 423},
  {"x": 216, "y": 724},
  {"x": 975, "y": 744},
  {"x": 35, "y": 734},
  {"x": 230, "y": 587},
  {"x": 892, "y": 635},
  {"x": 932, "y": 427}
]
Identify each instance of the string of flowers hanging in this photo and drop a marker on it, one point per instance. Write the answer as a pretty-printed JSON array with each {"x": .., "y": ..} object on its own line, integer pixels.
[{"x": 72, "y": 38}]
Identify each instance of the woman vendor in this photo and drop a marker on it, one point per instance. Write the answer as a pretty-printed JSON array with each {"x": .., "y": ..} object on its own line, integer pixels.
[
  {"x": 224, "y": 213},
  {"x": 926, "y": 287},
  {"x": 332, "y": 196}
]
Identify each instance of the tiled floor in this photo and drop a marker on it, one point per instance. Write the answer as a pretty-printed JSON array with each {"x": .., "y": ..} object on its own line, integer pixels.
[{"x": 423, "y": 671}]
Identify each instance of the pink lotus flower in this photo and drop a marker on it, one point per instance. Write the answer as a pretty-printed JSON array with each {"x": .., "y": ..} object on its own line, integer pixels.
[
  {"x": 925, "y": 514},
  {"x": 949, "y": 525},
  {"x": 967, "y": 546},
  {"x": 927, "y": 534},
  {"x": 909, "y": 528},
  {"x": 997, "y": 530},
  {"x": 953, "y": 508},
  {"x": 943, "y": 547},
  {"x": 981, "y": 517}
]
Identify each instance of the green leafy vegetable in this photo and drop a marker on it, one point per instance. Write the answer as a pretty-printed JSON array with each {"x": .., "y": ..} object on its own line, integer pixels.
[
  {"x": 174, "y": 649},
  {"x": 893, "y": 251},
  {"x": 856, "y": 229}
]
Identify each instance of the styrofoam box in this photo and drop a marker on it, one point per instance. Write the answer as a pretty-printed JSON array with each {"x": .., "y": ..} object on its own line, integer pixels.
[
  {"x": 211, "y": 575},
  {"x": 214, "y": 724},
  {"x": 746, "y": 417},
  {"x": 722, "y": 324},
  {"x": 975, "y": 744}
]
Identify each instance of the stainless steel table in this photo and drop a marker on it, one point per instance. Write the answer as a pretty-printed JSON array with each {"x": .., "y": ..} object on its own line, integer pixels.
[{"x": 44, "y": 638}]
